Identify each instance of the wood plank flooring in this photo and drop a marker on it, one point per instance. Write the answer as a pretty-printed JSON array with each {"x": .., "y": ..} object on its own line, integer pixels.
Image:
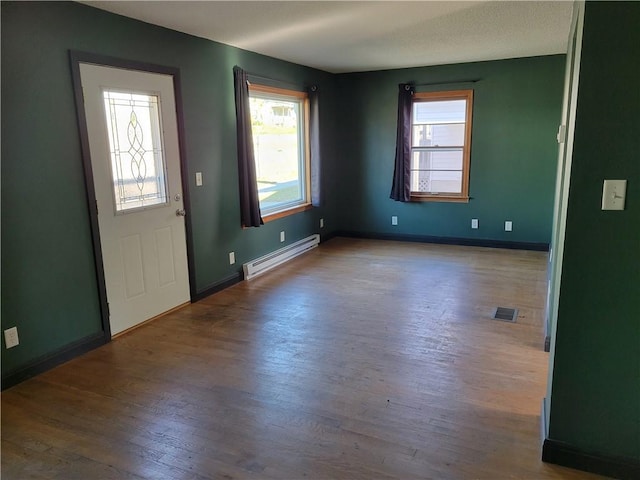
[{"x": 361, "y": 359}]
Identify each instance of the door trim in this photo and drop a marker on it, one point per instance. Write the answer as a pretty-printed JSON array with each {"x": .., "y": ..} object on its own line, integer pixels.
[
  {"x": 563, "y": 181},
  {"x": 76, "y": 58}
]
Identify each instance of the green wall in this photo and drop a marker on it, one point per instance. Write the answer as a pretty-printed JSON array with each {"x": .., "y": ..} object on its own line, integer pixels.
[
  {"x": 517, "y": 108},
  {"x": 49, "y": 286},
  {"x": 595, "y": 402}
]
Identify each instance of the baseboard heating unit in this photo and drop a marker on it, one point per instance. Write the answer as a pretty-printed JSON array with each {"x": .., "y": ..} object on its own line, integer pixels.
[{"x": 273, "y": 259}]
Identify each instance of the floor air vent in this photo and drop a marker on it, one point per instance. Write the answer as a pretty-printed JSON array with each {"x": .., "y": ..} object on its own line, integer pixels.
[{"x": 506, "y": 314}]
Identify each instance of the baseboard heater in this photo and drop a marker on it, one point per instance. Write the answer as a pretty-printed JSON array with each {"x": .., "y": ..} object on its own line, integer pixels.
[{"x": 273, "y": 259}]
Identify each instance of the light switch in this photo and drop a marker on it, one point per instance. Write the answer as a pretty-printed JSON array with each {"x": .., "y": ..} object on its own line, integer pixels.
[
  {"x": 613, "y": 194},
  {"x": 198, "y": 179},
  {"x": 474, "y": 223},
  {"x": 508, "y": 226}
]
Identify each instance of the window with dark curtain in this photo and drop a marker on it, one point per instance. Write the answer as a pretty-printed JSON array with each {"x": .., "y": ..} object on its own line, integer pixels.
[
  {"x": 249, "y": 201},
  {"x": 401, "y": 187}
]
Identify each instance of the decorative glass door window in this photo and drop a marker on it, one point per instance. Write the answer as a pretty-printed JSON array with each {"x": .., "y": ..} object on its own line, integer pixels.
[{"x": 136, "y": 150}]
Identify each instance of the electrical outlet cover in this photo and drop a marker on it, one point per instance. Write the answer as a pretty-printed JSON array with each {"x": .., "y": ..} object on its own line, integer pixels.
[{"x": 11, "y": 337}]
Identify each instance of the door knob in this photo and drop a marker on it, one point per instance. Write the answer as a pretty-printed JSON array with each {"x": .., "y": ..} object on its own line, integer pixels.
[{"x": 180, "y": 212}]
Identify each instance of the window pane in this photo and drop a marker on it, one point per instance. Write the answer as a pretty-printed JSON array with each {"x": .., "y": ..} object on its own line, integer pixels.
[
  {"x": 434, "y": 181},
  {"x": 135, "y": 144},
  {"x": 436, "y": 171},
  {"x": 442, "y": 135},
  {"x": 443, "y": 111},
  {"x": 277, "y": 129},
  {"x": 437, "y": 160}
]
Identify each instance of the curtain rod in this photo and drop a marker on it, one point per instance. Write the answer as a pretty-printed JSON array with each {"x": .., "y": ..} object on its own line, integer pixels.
[
  {"x": 276, "y": 80},
  {"x": 270, "y": 79},
  {"x": 446, "y": 83}
]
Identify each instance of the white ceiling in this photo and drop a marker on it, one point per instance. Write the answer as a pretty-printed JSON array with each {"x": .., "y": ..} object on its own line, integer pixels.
[{"x": 352, "y": 36}]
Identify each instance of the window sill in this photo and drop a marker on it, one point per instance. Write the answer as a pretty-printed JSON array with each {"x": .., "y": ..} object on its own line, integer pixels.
[
  {"x": 285, "y": 213},
  {"x": 439, "y": 198}
]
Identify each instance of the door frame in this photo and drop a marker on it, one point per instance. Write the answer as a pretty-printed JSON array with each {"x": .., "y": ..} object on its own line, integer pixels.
[
  {"x": 76, "y": 58},
  {"x": 563, "y": 180}
]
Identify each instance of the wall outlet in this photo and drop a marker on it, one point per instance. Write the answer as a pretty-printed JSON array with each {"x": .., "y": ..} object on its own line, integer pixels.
[
  {"x": 474, "y": 223},
  {"x": 11, "y": 337},
  {"x": 394, "y": 220},
  {"x": 281, "y": 236},
  {"x": 508, "y": 226},
  {"x": 232, "y": 258},
  {"x": 322, "y": 223},
  {"x": 198, "y": 179}
]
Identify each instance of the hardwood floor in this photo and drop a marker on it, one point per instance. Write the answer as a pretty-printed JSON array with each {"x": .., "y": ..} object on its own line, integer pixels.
[{"x": 361, "y": 359}]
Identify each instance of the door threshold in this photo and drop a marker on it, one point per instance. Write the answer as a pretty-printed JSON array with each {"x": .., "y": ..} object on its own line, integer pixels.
[{"x": 145, "y": 322}]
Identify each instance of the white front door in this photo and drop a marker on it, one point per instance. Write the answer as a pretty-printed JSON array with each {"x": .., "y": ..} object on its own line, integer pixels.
[{"x": 133, "y": 140}]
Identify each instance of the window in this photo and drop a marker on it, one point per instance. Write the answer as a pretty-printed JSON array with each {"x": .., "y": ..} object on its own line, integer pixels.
[
  {"x": 440, "y": 145},
  {"x": 279, "y": 123},
  {"x": 135, "y": 145}
]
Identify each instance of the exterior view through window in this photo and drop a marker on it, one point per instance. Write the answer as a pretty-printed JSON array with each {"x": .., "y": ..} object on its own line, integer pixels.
[
  {"x": 440, "y": 145},
  {"x": 279, "y": 127}
]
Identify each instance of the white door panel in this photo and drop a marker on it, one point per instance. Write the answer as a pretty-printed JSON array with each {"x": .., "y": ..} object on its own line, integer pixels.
[{"x": 137, "y": 179}]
